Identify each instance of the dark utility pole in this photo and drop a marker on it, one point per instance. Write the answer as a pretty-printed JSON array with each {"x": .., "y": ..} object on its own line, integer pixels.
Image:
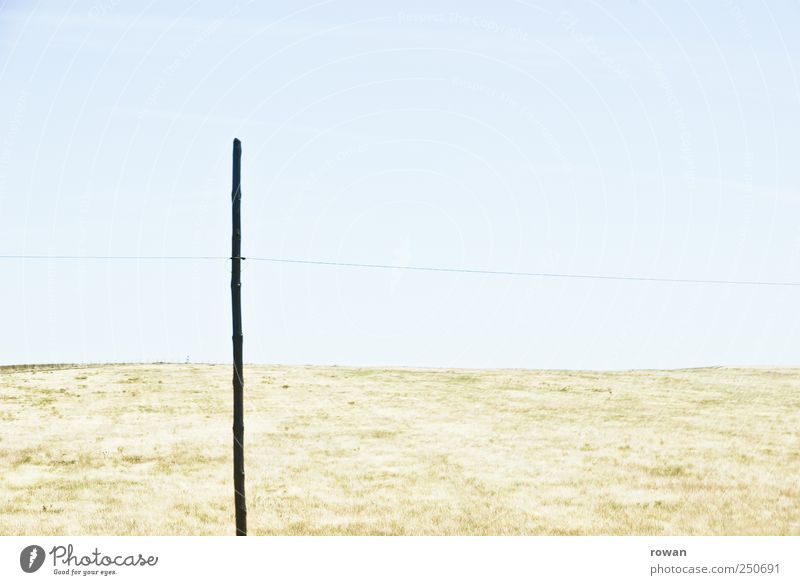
[{"x": 238, "y": 371}]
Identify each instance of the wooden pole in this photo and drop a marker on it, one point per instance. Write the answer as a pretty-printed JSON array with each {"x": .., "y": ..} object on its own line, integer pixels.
[{"x": 238, "y": 370}]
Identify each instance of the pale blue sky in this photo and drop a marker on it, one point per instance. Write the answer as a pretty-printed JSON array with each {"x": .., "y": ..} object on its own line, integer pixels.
[{"x": 633, "y": 138}]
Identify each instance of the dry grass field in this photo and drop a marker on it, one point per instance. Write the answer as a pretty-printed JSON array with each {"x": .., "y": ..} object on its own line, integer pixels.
[{"x": 146, "y": 449}]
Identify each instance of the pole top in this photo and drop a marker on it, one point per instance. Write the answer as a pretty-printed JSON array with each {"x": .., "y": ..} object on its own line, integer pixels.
[{"x": 237, "y": 144}]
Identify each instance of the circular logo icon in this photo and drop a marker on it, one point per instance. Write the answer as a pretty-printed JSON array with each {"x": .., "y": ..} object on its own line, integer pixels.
[{"x": 31, "y": 558}]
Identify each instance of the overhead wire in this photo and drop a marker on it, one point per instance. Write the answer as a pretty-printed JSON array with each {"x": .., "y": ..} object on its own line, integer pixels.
[{"x": 438, "y": 269}]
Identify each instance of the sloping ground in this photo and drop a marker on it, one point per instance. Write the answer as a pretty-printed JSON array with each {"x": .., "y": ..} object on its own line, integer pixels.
[{"x": 146, "y": 449}]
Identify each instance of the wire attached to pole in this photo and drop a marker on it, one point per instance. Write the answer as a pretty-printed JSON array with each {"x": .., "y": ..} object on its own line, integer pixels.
[{"x": 333, "y": 263}]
